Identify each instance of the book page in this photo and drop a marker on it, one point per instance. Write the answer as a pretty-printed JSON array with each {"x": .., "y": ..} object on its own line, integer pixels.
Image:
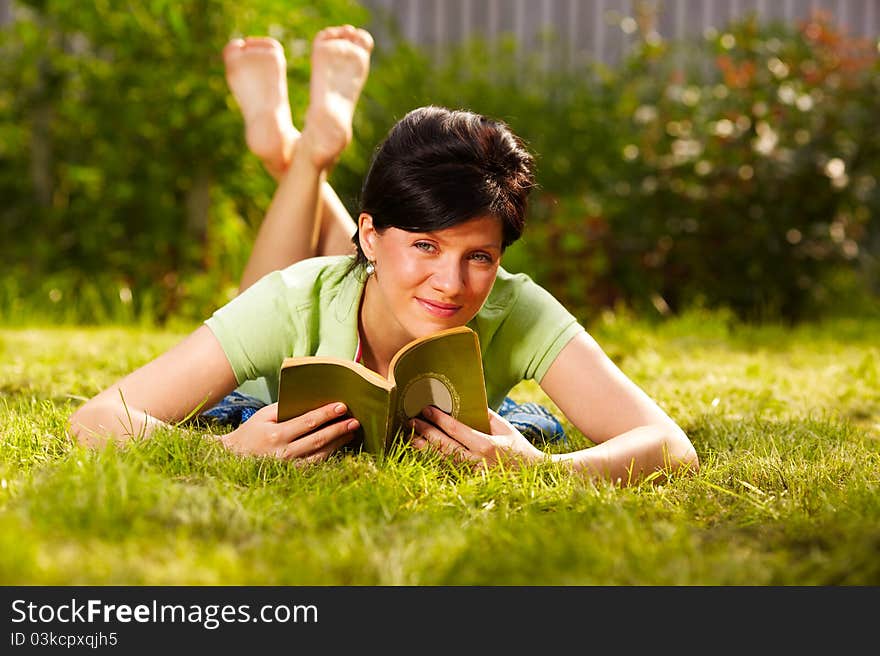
[{"x": 445, "y": 371}]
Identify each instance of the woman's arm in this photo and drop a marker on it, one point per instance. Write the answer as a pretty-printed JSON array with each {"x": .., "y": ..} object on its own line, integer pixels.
[
  {"x": 193, "y": 373},
  {"x": 634, "y": 436},
  {"x": 196, "y": 374}
]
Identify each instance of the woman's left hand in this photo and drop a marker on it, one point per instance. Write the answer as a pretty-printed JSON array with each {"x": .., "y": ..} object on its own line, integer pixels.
[{"x": 453, "y": 438}]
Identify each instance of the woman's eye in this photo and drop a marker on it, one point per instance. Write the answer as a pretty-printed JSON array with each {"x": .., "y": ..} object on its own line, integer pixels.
[
  {"x": 424, "y": 246},
  {"x": 482, "y": 257}
]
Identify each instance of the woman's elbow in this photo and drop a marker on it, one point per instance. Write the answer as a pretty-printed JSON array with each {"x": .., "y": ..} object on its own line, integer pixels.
[
  {"x": 680, "y": 452},
  {"x": 85, "y": 426}
]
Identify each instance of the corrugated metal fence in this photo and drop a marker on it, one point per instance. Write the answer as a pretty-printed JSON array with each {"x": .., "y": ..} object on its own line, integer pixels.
[{"x": 600, "y": 29}]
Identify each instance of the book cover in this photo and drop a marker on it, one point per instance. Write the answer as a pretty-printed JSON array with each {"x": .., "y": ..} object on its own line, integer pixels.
[{"x": 444, "y": 369}]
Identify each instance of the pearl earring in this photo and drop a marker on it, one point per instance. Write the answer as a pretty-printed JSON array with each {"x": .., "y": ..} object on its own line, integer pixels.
[{"x": 371, "y": 267}]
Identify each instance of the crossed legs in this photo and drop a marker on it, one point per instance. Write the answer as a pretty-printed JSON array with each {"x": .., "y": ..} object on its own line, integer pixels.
[{"x": 306, "y": 218}]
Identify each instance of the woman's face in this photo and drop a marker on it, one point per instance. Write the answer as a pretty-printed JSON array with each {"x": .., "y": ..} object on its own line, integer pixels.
[{"x": 429, "y": 281}]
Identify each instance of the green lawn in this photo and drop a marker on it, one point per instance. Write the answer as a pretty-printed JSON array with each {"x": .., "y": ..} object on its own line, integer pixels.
[{"x": 786, "y": 423}]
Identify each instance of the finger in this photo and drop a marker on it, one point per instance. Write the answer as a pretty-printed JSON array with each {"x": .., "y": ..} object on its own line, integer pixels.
[
  {"x": 267, "y": 413},
  {"x": 340, "y": 431},
  {"x": 325, "y": 452},
  {"x": 461, "y": 433},
  {"x": 498, "y": 424},
  {"x": 319, "y": 455},
  {"x": 320, "y": 439},
  {"x": 304, "y": 424},
  {"x": 440, "y": 440},
  {"x": 415, "y": 440}
]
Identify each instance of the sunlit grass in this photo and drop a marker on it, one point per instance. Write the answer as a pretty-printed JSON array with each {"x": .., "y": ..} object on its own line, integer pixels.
[{"x": 786, "y": 423}]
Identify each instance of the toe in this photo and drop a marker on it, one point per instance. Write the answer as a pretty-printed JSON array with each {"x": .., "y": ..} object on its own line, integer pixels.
[
  {"x": 232, "y": 48},
  {"x": 364, "y": 39},
  {"x": 266, "y": 42},
  {"x": 328, "y": 33},
  {"x": 336, "y": 32},
  {"x": 350, "y": 33}
]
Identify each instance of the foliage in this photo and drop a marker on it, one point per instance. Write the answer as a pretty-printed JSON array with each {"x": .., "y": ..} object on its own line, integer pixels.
[
  {"x": 121, "y": 150},
  {"x": 747, "y": 184},
  {"x": 741, "y": 171}
]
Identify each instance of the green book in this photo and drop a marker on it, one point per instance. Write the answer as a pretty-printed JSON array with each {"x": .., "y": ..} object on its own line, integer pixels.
[{"x": 444, "y": 369}]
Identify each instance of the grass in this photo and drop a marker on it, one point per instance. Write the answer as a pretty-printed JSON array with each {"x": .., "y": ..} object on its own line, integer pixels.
[{"x": 786, "y": 423}]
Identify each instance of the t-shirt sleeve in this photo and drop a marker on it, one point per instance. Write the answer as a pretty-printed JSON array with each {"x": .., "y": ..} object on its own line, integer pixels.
[
  {"x": 256, "y": 329},
  {"x": 537, "y": 329}
]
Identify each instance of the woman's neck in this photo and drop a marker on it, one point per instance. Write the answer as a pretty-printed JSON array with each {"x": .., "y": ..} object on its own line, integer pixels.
[{"x": 380, "y": 335}]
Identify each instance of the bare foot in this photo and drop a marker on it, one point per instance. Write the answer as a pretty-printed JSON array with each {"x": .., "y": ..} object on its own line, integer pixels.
[
  {"x": 256, "y": 73},
  {"x": 340, "y": 63}
]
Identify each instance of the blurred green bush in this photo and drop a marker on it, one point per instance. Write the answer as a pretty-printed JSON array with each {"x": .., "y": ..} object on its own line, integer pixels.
[
  {"x": 740, "y": 171},
  {"x": 127, "y": 187}
]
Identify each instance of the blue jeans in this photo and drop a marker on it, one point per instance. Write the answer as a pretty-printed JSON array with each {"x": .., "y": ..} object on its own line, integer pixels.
[{"x": 534, "y": 421}]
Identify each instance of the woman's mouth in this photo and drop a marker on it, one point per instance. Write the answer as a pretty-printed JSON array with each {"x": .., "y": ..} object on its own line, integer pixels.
[{"x": 437, "y": 308}]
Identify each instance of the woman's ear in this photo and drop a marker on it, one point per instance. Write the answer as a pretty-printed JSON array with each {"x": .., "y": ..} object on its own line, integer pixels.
[{"x": 367, "y": 235}]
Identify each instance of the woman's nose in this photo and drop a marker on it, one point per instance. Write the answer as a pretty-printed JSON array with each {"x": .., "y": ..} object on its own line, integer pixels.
[{"x": 449, "y": 278}]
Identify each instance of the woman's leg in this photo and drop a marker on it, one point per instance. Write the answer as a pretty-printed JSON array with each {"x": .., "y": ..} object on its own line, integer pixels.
[{"x": 256, "y": 73}]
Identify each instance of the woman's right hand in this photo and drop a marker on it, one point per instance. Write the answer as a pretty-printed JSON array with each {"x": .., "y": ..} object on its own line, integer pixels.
[{"x": 308, "y": 438}]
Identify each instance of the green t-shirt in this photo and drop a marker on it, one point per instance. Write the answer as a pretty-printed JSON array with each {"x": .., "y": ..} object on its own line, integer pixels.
[{"x": 311, "y": 308}]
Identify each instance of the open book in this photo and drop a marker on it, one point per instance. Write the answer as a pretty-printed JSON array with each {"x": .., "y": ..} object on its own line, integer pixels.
[{"x": 444, "y": 369}]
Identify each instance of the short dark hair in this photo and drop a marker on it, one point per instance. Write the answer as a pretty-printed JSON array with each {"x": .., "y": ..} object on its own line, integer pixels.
[{"x": 439, "y": 167}]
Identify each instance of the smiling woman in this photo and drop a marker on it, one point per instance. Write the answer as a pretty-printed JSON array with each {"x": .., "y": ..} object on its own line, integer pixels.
[
  {"x": 423, "y": 281},
  {"x": 445, "y": 194}
]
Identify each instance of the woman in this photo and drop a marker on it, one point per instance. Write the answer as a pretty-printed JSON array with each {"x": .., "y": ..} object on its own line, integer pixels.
[{"x": 445, "y": 195}]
